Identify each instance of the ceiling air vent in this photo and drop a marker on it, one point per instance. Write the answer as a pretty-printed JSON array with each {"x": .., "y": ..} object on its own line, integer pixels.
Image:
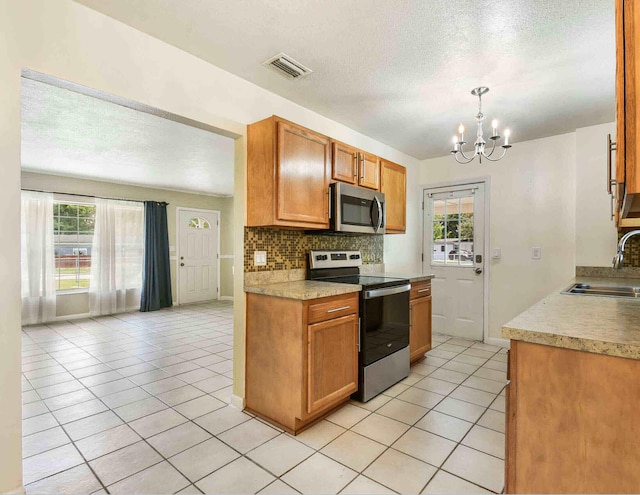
[{"x": 284, "y": 65}]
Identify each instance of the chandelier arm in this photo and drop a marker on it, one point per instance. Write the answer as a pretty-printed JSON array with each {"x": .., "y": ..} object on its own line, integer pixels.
[
  {"x": 504, "y": 152},
  {"x": 469, "y": 160},
  {"x": 492, "y": 149},
  {"x": 461, "y": 151}
]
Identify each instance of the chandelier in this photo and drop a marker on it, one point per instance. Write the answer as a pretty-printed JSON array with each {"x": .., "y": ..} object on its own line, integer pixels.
[{"x": 480, "y": 144}]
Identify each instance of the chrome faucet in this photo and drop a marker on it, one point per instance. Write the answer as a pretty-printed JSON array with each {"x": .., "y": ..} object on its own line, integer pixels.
[{"x": 617, "y": 259}]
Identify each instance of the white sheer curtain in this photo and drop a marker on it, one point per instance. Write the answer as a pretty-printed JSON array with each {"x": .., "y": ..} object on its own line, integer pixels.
[
  {"x": 37, "y": 258},
  {"x": 116, "y": 257}
]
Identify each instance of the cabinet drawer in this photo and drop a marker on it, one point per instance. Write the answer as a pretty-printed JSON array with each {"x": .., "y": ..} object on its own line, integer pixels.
[
  {"x": 333, "y": 307},
  {"x": 420, "y": 289}
]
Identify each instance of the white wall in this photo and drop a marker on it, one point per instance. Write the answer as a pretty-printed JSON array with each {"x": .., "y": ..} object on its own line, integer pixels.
[
  {"x": 532, "y": 203},
  {"x": 596, "y": 234},
  {"x": 72, "y": 42}
]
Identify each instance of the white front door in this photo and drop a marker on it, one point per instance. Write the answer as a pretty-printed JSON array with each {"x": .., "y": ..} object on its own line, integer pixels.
[
  {"x": 454, "y": 253},
  {"x": 197, "y": 255}
]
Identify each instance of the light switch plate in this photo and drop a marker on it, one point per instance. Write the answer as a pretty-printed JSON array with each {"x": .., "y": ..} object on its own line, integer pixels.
[
  {"x": 260, "y": 258},
  {"x": 536, "y": 253},
  {"x": 496, "y": 253}
]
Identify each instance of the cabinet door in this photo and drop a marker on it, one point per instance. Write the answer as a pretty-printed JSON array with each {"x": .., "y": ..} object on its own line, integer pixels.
[
  {"x": 344, "y": 163},
  {"x": 303, "y": 170},
  {"x": 420, "y": 332},
  {"x": 332, "y": 361},
  {"x": 369, "y": 171},
  {"x": 394, "y": 186}
]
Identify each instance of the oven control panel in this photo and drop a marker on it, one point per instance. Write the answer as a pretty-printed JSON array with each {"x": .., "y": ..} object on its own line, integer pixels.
[{"x": 334, "y": 259}]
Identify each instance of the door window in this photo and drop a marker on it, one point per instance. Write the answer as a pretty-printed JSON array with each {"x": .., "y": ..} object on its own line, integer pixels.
[
  {"x": 453, "y": 231},
  {"x": 199, "y": 223}
]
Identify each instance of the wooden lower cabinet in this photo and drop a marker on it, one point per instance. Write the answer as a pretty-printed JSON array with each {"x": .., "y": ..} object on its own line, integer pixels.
[
  {"x": 420, "y": 320},
  {"x": 572, "y": 421},
  {"x": 302, "y": 357}
]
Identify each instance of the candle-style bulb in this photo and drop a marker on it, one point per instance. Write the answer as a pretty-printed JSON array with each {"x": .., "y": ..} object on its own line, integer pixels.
[
  {"x": 461, "y": 129},
  {"x": 507, "y": 133},
  {"x": 455, "y": 140},
  {"x": 494, "y": 123}
]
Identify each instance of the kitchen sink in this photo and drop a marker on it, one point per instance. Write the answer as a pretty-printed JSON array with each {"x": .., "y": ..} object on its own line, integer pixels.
[{"x": 603, "y": 290}]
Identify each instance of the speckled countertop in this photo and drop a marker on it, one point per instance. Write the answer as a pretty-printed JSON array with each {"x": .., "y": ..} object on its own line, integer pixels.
[
  {"x": 602, "y": 325},
  {"x": 302, "y": 289}
]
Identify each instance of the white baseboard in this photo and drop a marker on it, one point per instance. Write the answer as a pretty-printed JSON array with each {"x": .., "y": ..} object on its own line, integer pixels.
[
  {"x": 237, "y": 402},
  {"x": 497, "y": 341},
  {"x": 16, "y": 491},
  {"x": 226, "y": 298}
]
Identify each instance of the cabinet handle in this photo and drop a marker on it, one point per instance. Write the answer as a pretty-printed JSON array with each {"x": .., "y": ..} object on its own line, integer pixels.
[
  {"x": 362, "y": 175},
  {"x": 423, "y": 290},
  {"x": 355, "y": 170},
  {"x": 611, "y": 146},
  {"x": 338, "y": 309}
]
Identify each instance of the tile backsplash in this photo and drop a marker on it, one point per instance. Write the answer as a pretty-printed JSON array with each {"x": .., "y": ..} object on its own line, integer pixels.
[
  {"x": 631, "y": 251},
  {"x": 287, "y": 249}
]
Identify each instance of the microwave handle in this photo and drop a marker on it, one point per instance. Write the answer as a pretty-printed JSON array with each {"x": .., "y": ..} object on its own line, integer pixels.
[{"x": 379, "y": 206}]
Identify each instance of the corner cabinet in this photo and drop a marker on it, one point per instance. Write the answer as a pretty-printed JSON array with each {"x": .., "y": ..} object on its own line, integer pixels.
[
  {"x": 302, "y": 357},
  {"x": 420, "y": 320},
  {"x": 627, "y": 113},
  {"x": 354, "y": 166},
  {"x": 288, "y": 174},
  {"x": 393, "y": 183}
]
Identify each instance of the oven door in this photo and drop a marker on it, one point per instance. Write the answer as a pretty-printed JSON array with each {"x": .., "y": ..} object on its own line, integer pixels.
[
  {"x": 357, "y": 209},
  {"x": 384, "y": 323}
]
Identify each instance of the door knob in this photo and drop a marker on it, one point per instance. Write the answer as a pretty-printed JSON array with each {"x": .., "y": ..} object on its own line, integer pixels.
[
  {"x": 478, "y": 271},
  {"x": 181, "y": 264}
]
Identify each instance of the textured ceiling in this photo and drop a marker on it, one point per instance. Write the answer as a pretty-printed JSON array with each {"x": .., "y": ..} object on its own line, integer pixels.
[
  {"x": 401, "y": 71},
  {"x": 68, "y": 133}
]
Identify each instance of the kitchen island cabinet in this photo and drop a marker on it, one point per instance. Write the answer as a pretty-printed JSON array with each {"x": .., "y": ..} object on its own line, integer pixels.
[
  {"x": 573, "y": 396},
  {"x": 302, "y": 356}
]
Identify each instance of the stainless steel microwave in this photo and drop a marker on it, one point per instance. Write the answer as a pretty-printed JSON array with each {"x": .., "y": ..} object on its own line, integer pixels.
[{"x": 356, "y": 209}]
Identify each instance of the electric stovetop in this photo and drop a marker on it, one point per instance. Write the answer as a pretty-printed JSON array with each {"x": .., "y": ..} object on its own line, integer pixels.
[{"x": 343, "y": 267}]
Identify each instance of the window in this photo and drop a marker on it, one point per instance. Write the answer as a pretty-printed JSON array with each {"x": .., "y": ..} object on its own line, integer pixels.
[
  {"x": 453, "y": 231},
  {"x": 73, "y": 227},
  {"x": 199, "y": 223}
]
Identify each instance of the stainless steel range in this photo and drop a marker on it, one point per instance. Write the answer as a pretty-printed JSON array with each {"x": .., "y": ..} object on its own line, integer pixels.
[{"x": 383, "y": 350}]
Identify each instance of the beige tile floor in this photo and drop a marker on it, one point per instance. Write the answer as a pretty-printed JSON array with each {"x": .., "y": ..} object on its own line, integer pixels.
[{"x": 138, "y": 403}]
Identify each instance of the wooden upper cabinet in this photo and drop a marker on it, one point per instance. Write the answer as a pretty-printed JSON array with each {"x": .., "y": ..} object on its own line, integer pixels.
[
  {"x": 288, "y": 174},
  {"x": 355, "y": 166},
  {"x": 344, "y": 163},
  {"x": 627, "y": 112},
  {"x": 369, "y": 171},
  {"x": 393, "y": 184}
]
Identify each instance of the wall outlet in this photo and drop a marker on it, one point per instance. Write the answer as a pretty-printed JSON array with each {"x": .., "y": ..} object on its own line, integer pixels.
[
  {"x": 260, "y": 258},
  {"x": 496, "y": 253},
  {"x": 536, "y": 253}
]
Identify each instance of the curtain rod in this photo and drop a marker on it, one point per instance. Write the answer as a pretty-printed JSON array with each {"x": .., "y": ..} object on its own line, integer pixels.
[{"x": 90, "y": 196}]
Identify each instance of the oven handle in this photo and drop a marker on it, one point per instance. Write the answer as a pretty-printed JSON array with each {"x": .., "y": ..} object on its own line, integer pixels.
[{"x": 387, "y": 291}]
